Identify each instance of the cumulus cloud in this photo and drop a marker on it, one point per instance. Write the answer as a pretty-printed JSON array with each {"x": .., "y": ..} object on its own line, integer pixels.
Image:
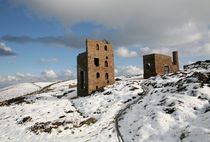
[
  {"x": 155, "y": 24},
  {"x": 47, "y": 75},
  {"x": 124, "y": 53},
  {"x": 18, "y": 78},
  {"x": 128, "y": 70},
  {"x": 6, "y": 51},
  {"x": 66, "y": 74},
  {"x": 43, "y": 60}
]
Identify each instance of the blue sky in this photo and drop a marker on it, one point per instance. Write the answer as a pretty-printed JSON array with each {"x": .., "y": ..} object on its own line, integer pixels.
[{"x": 55, "y": 32}]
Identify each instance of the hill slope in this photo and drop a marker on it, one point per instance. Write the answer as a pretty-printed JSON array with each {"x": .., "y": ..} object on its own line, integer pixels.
[
  {"x": 176, "y": 108},
  {"x": 57, "y": 114},
  {"x": 173, "y": 107}
]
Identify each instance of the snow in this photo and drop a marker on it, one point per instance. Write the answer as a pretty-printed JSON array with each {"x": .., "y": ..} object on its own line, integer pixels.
[
  {"x": 42, "y": 84},
  {"x": 17, "y": 90},
  {"x": 175, "y": 108},
  {"x": 52, "y": 105}
]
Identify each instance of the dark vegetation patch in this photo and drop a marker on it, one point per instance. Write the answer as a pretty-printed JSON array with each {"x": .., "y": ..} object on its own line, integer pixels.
[
  {"x": 25, "y": 119},
  {"x": 207, "y": 109},
  {"x": 183, "y": 135},
  {"x": 171, "y": 104},
  {"x": 47, "y": 127},
  {"x": 64, "y": 94},
  {"x": 169, "y": 110},
  {"x": 202, "y": 97},
  {"x": 108, "y": 93},
  {"x": 62, "y": 116},
  {"x": 127, "y": 101},
  {"x": 162, "y": 102},
  {"x": 99, "y": 90},
  {"x": 181, "y": 88},
  {"x": 17, "y": 100},
  {"x": 169, "y": 84},
  {"x": 203, "y": 78},
  {"x": 118, "y": 79},
  {"x": 69, "y": 111},
  {"x": 133, "y": 97},
  {"x": 88, "y": 121}
]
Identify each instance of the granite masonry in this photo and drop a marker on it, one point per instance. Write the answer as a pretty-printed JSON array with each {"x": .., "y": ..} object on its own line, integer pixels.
[
  {"x": 95, "y": 67},
  {"x": 157, "y": 64}
]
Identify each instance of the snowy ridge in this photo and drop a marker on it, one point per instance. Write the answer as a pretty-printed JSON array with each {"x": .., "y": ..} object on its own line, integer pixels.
[
  {"x": 20, "y": 90},
  {"x": 176, "y": 108}
]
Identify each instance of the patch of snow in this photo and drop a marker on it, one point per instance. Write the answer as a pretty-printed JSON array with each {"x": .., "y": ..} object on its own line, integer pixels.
[{"x": 17, "y": 90}]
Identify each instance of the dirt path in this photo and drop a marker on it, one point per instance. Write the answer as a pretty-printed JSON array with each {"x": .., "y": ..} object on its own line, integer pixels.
[{"x": 122, "y": 112}]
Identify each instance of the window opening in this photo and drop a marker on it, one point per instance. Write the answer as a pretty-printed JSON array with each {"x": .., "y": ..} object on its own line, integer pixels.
[
  {"x": 148, "y": 66},
  {"x": 107, "y": 76},
  {"x": 166, "y": 69},
  {"x": 106, "y": 64},
  {"x": 105, "y": 48},
  {"x": 97, "y": 46},
  {"x": 97, "y": 75},
  {"x": 96, "y": 62}
]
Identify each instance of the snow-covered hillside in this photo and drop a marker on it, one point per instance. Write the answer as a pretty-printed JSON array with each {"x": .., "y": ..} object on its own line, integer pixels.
[
  {"x": 176, "y": 108},
  {"x": 173, "y": 107},
  {"x": 57, "y": 114},
  {"x": 20, "y": 90}
]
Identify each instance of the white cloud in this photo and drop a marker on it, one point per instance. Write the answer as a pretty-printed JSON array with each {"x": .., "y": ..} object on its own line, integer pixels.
[
  {"x": 124, "y": 53},
  {"x": 67, "y": 73},
  {"x": 156, "y": 24},
  {"x": 49, "y": 74},
  {"x": 43, "y": 60},
  {"x": 18, "y": 78},
  {"x": 127, "y": 70},
  {"x": 20, "y": 75},
  {"x": 147, "y": 50},
  {"x": 6, "y": 51}
]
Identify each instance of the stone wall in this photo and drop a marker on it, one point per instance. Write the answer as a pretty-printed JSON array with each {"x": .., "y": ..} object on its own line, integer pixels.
[
  {"x": 149, "y": 65},
  {"x": 103, "y": 55},
  {"x": 82, "y": 84},
  {"x": 159, "y": 63},
  {"x": 98, "y": 62}
]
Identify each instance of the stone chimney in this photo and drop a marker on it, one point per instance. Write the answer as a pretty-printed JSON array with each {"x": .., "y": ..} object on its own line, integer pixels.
[{"x": 175, "y": 58}]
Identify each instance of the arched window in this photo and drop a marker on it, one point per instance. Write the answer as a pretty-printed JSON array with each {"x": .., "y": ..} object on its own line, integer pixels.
[
  {"x": 106, "y": 57},
  {"x": 97, "y": 75},
  {"x": 105, "y": 48},
  {"x": 148, "y": 65},
  {"x": 106, "y": 64},
  {"x": 97, "y": 46},
  {"x": 107, "y": 76}
]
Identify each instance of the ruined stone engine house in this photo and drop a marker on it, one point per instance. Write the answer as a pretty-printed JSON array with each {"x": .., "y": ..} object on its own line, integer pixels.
[
  {"x": 157, "y": 64},
  {"x": 95, "y": 67}
]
